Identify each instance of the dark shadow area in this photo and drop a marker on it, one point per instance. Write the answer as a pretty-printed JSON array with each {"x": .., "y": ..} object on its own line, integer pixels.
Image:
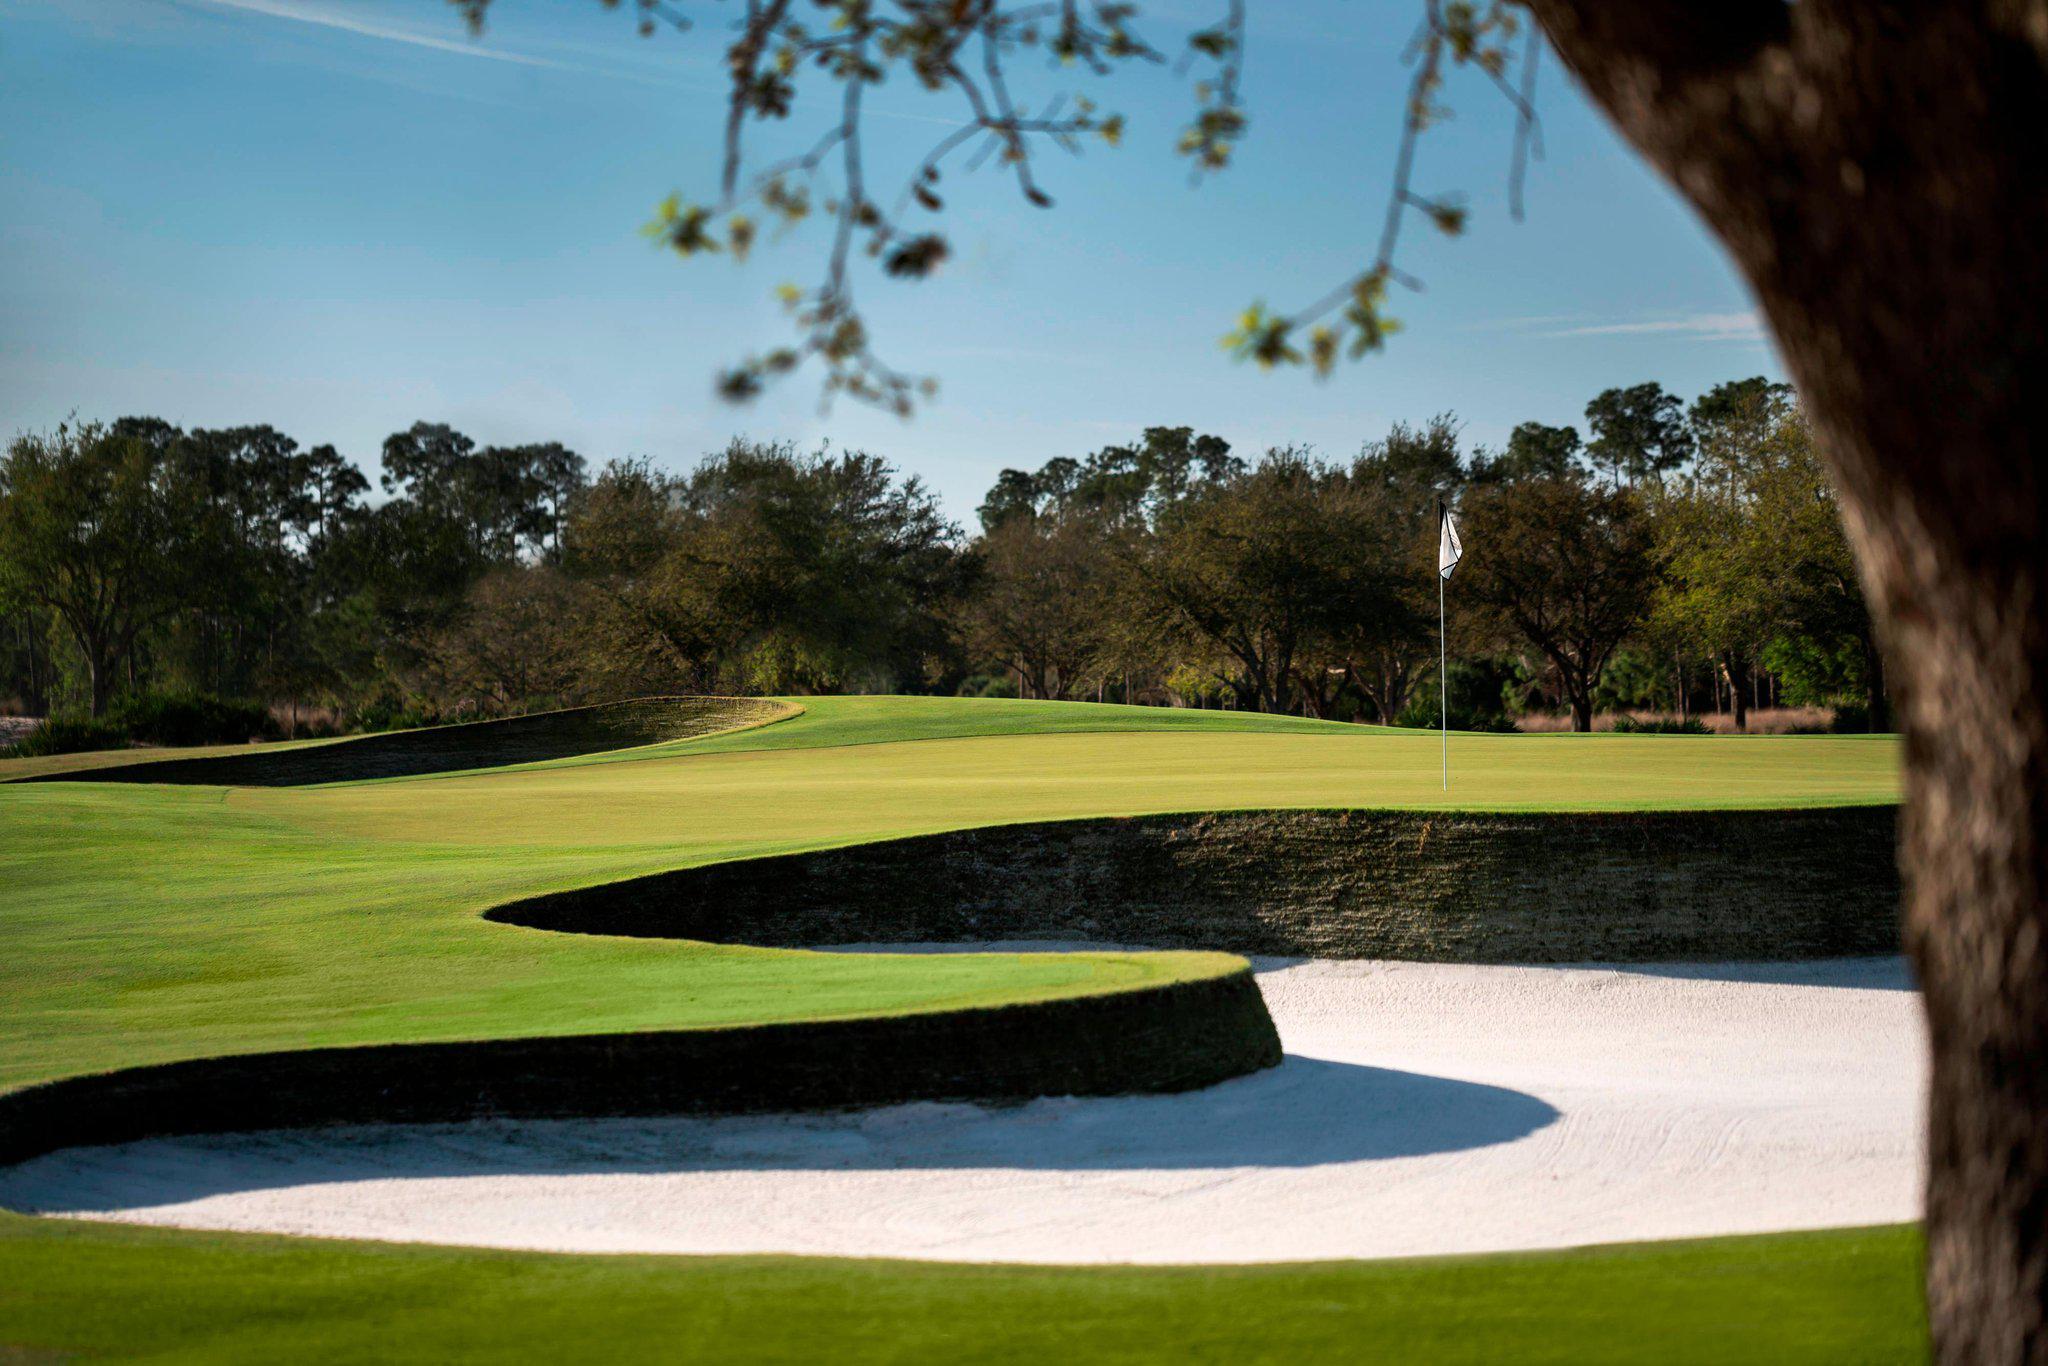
[
  {"x": 1159, "y": 1038},
  {"x": 1681, "y": 887},
  {"x": 1306, "y": 1112},
  {"x": 1890, "y": 973},
  {"x": 1863, "y": 974},
  {"x": 448, "y": 749}
]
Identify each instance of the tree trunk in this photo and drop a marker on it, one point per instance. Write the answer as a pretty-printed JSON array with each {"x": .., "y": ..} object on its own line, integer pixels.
[
  {"x": 38, "y": 693},
  {"x": 99, "y": 684},
  {"x": 100, "y": 662},
  {"x": 1977, "y": 926},
  {"x": 1733, "y": 670},
  {"x": 1878, "y": 173},
  {"x": 1582, "y": 713},
  {"x": 1281, "y": 689},
  {"x": 1876, "y": 700}
]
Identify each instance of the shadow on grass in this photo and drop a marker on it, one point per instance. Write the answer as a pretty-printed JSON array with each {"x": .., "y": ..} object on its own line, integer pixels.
[{"x": 531, "y": 739}]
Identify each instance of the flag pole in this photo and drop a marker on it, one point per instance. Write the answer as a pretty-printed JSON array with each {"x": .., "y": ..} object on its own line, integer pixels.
[{"x": 1443, "y": 682}]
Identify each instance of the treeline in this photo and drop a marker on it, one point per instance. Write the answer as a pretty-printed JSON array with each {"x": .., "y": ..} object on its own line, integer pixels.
[{"x": 1675, "y": 559}]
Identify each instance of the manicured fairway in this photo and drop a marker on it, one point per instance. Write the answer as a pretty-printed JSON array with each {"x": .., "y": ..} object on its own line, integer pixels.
[
  {"x": 744, "y": 800},
  {"x": 1848, "y": 1296},
  {"x": 148, "y": 923}
]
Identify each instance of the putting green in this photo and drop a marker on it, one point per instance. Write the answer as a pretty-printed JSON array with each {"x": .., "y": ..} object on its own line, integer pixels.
[{"x": 148, "y": 923}]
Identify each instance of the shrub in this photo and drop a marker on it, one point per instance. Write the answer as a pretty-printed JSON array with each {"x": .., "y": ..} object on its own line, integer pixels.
[
  {"x": 1426, "y": 713},
  {"x": 1660, "y": 725},
  {"x": 987, "y": 685},
  {"x": 152, "y": 719},
  {"x": 191, "y": 719},
  {"x": 69, "y": 734},
  {"x": 386, "y": 712},
  {"x": 1851, "y": 718}
]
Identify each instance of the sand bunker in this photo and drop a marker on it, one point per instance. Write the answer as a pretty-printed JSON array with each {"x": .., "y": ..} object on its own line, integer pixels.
[{"x": 1423, "y": 1108}]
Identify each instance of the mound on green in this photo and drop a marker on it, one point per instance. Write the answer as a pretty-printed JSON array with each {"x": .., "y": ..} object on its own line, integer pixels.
[{"x": 537, "y": 738}]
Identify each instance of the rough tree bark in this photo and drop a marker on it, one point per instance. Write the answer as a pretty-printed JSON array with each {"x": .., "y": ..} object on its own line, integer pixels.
[
  {"x": 1578, "y": 687},
  {"x": 1876, "y": 700},
  {"x": 1879, "y": 172},
  {"x": 101, "y": 658},
  {"x": 1736, "y": 670}
]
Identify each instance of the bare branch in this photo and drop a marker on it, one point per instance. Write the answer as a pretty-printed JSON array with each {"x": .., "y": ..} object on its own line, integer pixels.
[
  {"x": 1459, "y": 33},
  {"x": 771, "y": 52}
]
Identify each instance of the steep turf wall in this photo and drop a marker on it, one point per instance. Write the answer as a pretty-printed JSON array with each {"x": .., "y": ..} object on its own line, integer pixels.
[
  {"x": 1173, "y": 1037},
  {"x": 1449, "y": 887},
  {"x": 1457, "y": 887},
  {"x": 443, "y": 749}
]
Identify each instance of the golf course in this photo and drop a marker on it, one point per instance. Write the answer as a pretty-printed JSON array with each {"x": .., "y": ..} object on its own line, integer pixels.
[{"x": 164, "y": 934}]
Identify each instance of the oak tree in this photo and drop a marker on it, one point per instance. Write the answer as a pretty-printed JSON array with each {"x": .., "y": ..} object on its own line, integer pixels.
[
  {"x": 1569, "y": 571},
  {"x": 89, "y": 522}
]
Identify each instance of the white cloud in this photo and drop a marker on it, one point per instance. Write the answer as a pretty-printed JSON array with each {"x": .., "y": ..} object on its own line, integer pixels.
[
  {"x": 1736, "y": 327},
  {"x": 324, "y": 18},
  {"x": 300, "y": 12}
]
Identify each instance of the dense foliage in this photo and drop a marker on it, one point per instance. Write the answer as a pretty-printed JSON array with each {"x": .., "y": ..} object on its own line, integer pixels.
[{"x": 1684, "y": 559}]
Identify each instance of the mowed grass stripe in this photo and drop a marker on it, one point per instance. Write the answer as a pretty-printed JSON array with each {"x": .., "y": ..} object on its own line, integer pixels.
[{"x": 874, "y": 791}]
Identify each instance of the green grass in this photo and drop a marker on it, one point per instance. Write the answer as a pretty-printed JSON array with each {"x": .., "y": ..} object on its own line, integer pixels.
[
  {"x": 834, "y": 721},
  {"x": 1838, "y": 1296},
  {"x": 146, "y": 923}
]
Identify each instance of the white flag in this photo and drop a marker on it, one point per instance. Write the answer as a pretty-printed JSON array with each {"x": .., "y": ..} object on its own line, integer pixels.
[{"x": 1449, "y": 549}]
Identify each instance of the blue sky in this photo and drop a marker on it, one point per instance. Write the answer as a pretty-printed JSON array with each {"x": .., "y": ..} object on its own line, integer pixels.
[{"x": 341, "y": 216}]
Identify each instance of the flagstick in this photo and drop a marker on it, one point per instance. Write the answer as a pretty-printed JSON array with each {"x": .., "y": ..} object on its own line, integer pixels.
[{"x": 1443, "y": 682}]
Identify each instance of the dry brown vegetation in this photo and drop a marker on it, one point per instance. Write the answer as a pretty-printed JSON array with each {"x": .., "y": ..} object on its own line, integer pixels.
[{"x": 1767, "y": 721}]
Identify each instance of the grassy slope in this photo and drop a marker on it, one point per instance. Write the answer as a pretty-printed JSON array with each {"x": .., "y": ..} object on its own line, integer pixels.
[
  {"x": 86, "y": 760},
  {"x": 531, "y": 739},
  {"x": 146, "y": 923},
  {"x": 824, "y": 722},
  {"x": 1846, "y": 1296}
]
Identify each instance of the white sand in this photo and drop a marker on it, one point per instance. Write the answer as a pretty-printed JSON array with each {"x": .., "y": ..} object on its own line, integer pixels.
[{"x": 1422, "y": 1109}]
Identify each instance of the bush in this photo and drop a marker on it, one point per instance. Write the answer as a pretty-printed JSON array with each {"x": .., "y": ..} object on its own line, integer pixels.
[
  {"x": 1851, "y": 718},
  {"x": 987, "y": 685},
  {"x": 153, "y": 719},
  {"x": 1660, "y": 725},
  {"x": 385, "y": 713},
  {"x": 191, "y": 719},
  {"x": 1426, "y": 713},
  {"x": 69, "y": 734}
]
